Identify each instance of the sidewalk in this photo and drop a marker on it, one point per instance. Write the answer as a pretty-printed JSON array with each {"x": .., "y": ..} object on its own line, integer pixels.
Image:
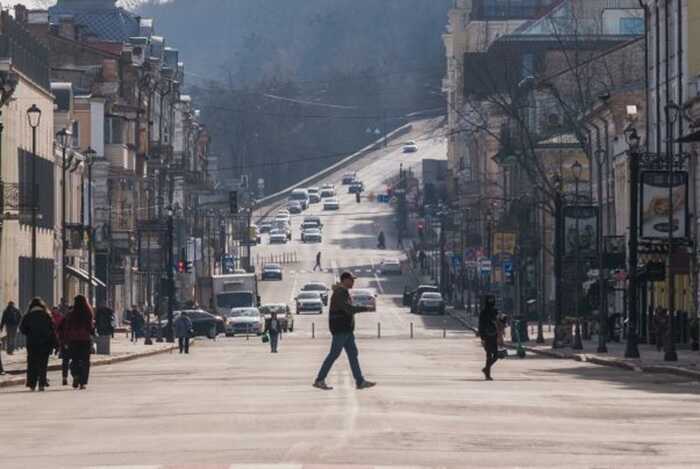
[
  {"x": 122, "y": 350},
  {"x": 651, "y": 361}
]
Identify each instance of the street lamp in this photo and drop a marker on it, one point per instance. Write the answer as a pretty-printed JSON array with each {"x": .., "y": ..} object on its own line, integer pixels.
[
  {"x": 576, "y": 169},
  {"x": 633, "y": 141},
  {"x": 62, "y": 138},
  {"x": 90, "y": 156},
  {"x": 34, "y": 119},
  {"x": 171, "y": 277}
]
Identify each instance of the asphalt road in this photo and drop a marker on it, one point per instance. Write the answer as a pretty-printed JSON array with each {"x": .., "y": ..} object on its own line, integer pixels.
[{"x": 232, "y": 402}]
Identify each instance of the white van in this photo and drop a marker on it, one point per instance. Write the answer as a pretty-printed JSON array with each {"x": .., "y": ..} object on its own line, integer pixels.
[{"x": 301, "y": 196}]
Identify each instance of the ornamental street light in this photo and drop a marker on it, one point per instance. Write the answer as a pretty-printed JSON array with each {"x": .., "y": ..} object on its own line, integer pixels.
[
  {"x": 577, "y": 169},
  {"x": 633, "y": 154},
  {"x": 34, "y": 119},
  {"x": 90, "y": 156},
  {"x": 62, "y": 137}
]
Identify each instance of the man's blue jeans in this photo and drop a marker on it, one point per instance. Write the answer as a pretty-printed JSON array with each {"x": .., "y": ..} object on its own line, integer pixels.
[{"x": 342, "y": 341}]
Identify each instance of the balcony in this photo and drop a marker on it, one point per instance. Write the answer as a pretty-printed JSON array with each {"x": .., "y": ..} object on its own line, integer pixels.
[{"x": 120, "y": 156}]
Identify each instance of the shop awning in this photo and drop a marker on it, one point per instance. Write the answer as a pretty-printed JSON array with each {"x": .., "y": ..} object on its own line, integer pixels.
[{"x": 80, "y": 274}]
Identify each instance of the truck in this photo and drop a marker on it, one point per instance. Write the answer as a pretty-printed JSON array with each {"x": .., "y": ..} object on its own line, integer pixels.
[{"x": 235, "y": 291}]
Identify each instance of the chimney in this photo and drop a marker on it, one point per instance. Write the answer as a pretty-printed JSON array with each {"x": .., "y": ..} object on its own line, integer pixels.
[
  {"x": 21, "y": 14},
  {"x": 66, "y": 27}
]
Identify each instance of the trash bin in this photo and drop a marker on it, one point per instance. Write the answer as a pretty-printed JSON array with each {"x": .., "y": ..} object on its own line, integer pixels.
[{"x": 102, "y": 344}]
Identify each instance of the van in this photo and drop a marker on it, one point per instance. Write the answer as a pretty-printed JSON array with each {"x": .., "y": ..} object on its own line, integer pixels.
[{"x": 301, "y": 196}]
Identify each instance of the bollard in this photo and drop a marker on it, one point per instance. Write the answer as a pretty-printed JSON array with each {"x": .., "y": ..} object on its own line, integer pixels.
[
  {"x": 411, "y": 330},
  {"x": 379, "y": 330},
  {"x": 247, "y": 337},
  {"x": 444, "y": 332},
  {"x": 313, "y": 330}
]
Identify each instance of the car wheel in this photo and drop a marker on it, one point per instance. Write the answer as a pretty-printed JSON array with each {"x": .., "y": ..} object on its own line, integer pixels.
[{"x": 211, "y": 334}]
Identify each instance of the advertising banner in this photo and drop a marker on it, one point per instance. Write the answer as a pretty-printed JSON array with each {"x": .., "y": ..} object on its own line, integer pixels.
[
  {"x": 656, "y": 206},
  {"x": 581, "y": 231}
]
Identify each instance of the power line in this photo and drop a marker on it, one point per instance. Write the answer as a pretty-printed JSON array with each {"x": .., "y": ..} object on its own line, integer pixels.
[{"x": 323, "y": 116}]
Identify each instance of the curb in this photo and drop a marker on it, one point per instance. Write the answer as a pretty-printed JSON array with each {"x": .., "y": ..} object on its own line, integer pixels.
[
  {"x": 609, "y": 362},
  {"x": 19, "y": 380}
]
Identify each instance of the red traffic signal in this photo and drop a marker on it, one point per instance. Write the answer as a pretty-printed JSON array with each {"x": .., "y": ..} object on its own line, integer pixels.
[{"x": 181, "y": 267}]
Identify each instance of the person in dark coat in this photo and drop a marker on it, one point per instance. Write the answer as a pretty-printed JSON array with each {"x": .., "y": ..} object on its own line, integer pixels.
[
  {"x": 104, "y": 320},
  {"x": 76, "y": 331},
  {"x": 272, "y": 327},
  {"x": 183, "y": 332},
  {"x": 660, "y": 326},
  {"x": 318, "y": 262},
  {"x": 341, "y": 317},
  {"x": 11, "y": 318},
  {"x": 37, "y": 326},
  {"x": 488, "y": 331}
]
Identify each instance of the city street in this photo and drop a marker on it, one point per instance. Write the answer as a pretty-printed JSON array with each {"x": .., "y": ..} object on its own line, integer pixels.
[{"x": 232, "y": 402}]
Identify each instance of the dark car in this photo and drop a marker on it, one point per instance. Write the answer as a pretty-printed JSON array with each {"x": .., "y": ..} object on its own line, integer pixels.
[
  {"x": 413, "y": 297},
  {"x": 356, "y": 188},
  {"x": 430, "y": 302},
  {"x": 348, "y": 179},
  {"x": 204, "y": 324}
]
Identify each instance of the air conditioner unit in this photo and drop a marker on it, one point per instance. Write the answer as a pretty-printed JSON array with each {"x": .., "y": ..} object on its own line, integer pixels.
[{"x": 138, "y": 55}]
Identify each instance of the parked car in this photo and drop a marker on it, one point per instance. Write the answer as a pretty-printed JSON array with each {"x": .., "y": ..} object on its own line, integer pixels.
[
  {"x": 271, "y": 272},
  {"x": 309, "y": 302},
  {"x": 348, "y": 179},
  {"x": 203, "y": 324},
  {"x": 390, "y": 267},
  {"x": 278, "y": 237},
  {"x": 319, "y": 287},
  {"x": 356, "y": 187},
  {"x": 331, "y": 204},
  {"x": 410, "y": 147},
  {"x": 244, "y": 321},
  {"x": 312, "y": 236},
  {"x": 364, "y": 299},
  {"x": 284, "y": 315},
  {"x": 411, "y": 298},
  {"x": 327, "y": 193},
  {"x": 431, "y": 302}
]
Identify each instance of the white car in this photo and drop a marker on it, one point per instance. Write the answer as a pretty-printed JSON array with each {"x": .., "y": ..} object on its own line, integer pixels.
[
  {"x": 283, "y": 217},
  {"x": 309, "y": 302},
  {"x": 390, "y": 267},
  {"x": 431, "y": 302},
  {"x": 410, "y": 147},
  {"x": 312, "y": 236},
  {"x": 363, "y": 298},
  {"x": 331, "y": 204},
  {"x": 278, "y": 237},
  {"x": 244, "y": 321}
]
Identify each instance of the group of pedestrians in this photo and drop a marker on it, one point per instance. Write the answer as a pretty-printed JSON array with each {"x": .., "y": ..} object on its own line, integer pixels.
[{"x": 64, "y": 330}]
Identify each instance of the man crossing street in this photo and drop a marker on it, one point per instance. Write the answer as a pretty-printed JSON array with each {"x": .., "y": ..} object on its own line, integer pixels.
[{"x": 318, "y": 262}]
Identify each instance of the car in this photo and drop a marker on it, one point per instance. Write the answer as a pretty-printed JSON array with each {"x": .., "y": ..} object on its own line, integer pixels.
[
  {"x": 331, "y": 204},
  {"x": 328, "y": 185},
  {"x": 204, "y": 324},
  {"x": 410, "y": 147},
  {"x": 312, "y": 236},
  {"x": 285, "y": 217},
  {"x": 390, "y": 267},
  {"x": 271, "y": 272},
  {"x": 348, "y": 179},
  {"x": 319, "y": 287},
  {"x": 283, "y": 211},
  {"x": 315, "y": 198},
  {"x": 356, "y": 187},
  {"x": 301, "y": 196},
  {"x": 364, "y": 299},
  {"x": 327, "y": 193},
  {"x": 244, "y": 321},
  {"x": 309, "y": 302},
  {"x": 314, "y": 222},
  {"x": 411, "y": 298},
  {"x": 282, "y": 225},
  {"x": 431, "y": 302},
  {"x": 278, "y": 237},
  {"x": 294, "y": 207},
  {"x": 284, "y": 315},
  {"x": 265, "y": 227}
]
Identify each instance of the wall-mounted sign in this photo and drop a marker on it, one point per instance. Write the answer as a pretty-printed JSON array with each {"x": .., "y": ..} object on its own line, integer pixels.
[{"x": 656, "y": 206}]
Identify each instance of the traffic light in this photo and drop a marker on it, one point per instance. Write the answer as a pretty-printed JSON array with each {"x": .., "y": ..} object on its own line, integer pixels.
[
  {"x": 189, "y": 267},
  {"x": 233, "y": 202},
  {"x": 181, "y": 267}
]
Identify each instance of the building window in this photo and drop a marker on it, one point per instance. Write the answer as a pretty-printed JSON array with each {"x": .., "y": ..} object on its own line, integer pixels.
[
  {"x": 114, "y": 131},
  {"x": 44, "y": 190},
  {"x": 633, "y": 26},
  {"x": 76, "y": 134}
]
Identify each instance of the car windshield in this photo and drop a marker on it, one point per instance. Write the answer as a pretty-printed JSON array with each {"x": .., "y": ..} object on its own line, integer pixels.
[
  {"x": 315, "y": 287},
  {"x": 234, "y": 300},
  {"x": 269, "y": 309},
  {"x": 308, "y": 295},
  {"x": 272, "y": 267},
  {"x": 298, "y": 196},
  {"x": 431, "y": 296},
  {"x": 243, "y": 313}
]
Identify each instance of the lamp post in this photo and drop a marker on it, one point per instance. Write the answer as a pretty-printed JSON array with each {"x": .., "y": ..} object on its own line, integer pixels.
[
  {"x": 34, "y": 119},
  {"x": 633, "y": 141},
  {"x": 558, "y": 261},
  {"x": 62, "y": 138},
  {"x": 171, "y": 277},
  {"x": 602, "y": 279},
  {"x": 576, "y": 168},
  {"x": 90, "y": 155}
]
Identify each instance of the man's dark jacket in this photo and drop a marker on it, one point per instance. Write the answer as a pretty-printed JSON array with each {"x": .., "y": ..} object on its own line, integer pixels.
[
  {"x": 11, "y": 317},
  {"x": 37, "y": 325},
  {"x": 341, "y": 315},
  {"x": 487, "y": 322}
]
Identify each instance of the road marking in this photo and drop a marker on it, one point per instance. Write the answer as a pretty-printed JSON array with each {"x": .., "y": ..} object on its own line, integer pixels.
[{"x": 292, "y": 295}]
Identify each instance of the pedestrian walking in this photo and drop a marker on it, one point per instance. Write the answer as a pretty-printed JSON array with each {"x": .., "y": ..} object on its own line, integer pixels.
[
  {"x": 11, "y": 318},
  {"x": 104, "y": 320},
  {"x": 183, "y": 332},
  {"x": 318, "y": 262},
  {"x": 132, "y": 317},
  {"x": 421, "y": 259},
  {"x": 76, "y": 330},
  {"x": 58, "y": 316},
  {"x": 37, "y": 326},
  {"x": 660, "y": 326},
  {"x": 399, "y": 241},
  {"x": 272, "y": 327},
  {"x": 341, "y": 318},
  {"x": 488, "y": 331}
]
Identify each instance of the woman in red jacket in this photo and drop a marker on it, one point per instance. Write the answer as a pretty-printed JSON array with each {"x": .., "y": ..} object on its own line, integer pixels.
[{"x": 76, "y": 331}]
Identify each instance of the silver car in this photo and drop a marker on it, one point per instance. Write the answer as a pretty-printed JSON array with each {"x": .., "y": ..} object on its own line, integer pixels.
[
  {"x": 244, "y": 321},
  {"x": 309, "y": 302}
]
